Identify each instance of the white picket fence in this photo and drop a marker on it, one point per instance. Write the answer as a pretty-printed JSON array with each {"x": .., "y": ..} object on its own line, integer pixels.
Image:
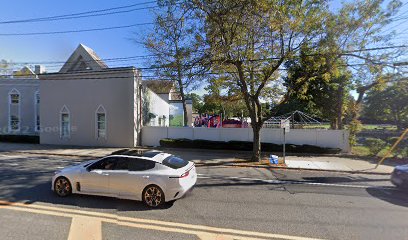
[{"x": 318, "y": 137}]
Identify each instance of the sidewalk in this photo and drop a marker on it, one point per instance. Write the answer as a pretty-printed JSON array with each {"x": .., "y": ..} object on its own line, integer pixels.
[
  {"x": 56, "y": 150},
  {"x": 217, "y": 158}
]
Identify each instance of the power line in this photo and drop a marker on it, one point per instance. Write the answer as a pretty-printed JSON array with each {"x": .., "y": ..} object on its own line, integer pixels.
[
  {"x": 94, "y": 13},
  {"x": 75, "y": 31},
  {"x": 152, "y": 55}
]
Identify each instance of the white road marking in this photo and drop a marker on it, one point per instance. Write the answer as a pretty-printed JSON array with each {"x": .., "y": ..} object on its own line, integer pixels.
[{"x": 204, "y": 176}]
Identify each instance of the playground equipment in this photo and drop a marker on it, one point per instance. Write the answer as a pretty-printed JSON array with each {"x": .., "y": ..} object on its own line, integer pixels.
[{"x": 297, "y": 119}]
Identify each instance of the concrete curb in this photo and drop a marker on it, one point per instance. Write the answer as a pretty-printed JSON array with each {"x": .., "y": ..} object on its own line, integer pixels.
[{"x": 318, "y": 170}]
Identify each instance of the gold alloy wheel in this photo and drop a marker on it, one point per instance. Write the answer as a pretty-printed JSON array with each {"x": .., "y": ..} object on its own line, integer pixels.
[
  {"x": 62, "y": 187},
  {"x": 153, "y": 196}
]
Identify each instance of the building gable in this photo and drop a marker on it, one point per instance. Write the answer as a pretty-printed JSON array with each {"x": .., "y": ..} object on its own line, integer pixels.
[{"x": 83, "y": 59}]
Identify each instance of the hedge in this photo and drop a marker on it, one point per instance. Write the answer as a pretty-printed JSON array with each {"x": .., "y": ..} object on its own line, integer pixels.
[
  {"x": 20, "y": 138},
  {"x": 244, "y": 146}
]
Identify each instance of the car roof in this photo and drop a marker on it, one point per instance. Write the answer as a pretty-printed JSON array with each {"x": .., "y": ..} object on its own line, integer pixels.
[{"x": 159, "y": 157}]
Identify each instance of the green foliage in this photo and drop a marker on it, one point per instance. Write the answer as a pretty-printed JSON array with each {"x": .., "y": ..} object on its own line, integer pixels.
[
  {"x": 317, "y": 83},
  {"x": 197, "y": 102},
  {"x": 389, "y": 105},
  {"x": 375, "y": 145},
  {"x": 354, "y": 127}
]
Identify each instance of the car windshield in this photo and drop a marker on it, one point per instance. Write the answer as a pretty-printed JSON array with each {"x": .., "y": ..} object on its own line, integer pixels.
[{"x": 174, "y": 162}]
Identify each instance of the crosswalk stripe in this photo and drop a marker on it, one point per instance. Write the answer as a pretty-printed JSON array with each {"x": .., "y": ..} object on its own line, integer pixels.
[{"x": 85, "y": 228}]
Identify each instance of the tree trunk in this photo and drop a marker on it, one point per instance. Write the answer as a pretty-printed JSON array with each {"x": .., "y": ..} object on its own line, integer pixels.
[
  {"x": 185, "y": 120},
  {"x": 333, "y": 123},
  {"x": 340, "y": 106},
  {"x": 256, "y": 147}
]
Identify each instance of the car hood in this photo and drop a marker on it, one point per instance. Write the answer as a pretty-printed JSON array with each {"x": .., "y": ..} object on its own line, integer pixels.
[
  {"x": 77, "y": 166},
  {"x": 403, "y": 168}
]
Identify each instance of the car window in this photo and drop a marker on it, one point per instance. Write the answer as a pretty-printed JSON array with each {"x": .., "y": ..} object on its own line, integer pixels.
[
  {"x": 104, "y": 164},
  {"x": 174, "y": 162},
  {"x": 122, "y": 164},
  {"x": 136, "y": 164},
  {"x": 151, "y": 154}
]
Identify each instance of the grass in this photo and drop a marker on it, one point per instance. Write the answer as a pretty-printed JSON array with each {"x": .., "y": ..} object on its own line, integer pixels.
[
  {"x": 364, "y": 151},
  {"x": 360, "y": 151},
  {"x": 379, "y": 127}
]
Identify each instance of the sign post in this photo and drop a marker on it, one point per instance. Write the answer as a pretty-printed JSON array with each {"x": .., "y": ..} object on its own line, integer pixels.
[{"x": 285, "y": 125}]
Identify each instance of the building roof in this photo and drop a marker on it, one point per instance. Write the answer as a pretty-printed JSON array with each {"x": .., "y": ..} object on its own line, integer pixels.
[
  {"x": 159, "y": 86},
  {"x": 82, "y": 59},
  {"x": 24, "y": 72}
]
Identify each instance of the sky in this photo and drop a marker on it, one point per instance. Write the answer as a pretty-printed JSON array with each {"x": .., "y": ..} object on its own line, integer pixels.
[
  {"x": 107, "y": 44},
  {"x": 58, "y": 47}
]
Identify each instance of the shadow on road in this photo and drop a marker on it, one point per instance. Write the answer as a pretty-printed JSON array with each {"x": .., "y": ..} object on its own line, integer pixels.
[
  {"x": 43, "y": 194},
  {"x": 333, "y": 179},
  {"x": 393, "y": 195}
]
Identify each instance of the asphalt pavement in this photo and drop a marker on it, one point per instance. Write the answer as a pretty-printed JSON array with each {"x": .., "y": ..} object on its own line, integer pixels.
[{"x": 227, "y": 203}]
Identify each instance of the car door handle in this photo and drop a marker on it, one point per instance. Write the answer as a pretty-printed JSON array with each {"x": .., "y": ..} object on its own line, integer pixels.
[{"x": 145, "y": 176}]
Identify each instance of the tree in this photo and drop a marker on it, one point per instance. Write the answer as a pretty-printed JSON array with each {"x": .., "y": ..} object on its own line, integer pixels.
[
  {"x": 388, "y": 105},
  {"x": 197, "y": 102},
  {"x": 175, "y": 45},
  {"x": 359, "y": 25},
  {"x": 250, "y": 40},
  {"x": 326, "y": 89}
]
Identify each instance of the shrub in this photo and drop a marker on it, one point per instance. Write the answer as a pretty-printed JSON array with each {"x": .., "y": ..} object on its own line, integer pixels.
[
  {"x": 375, "y": 145},
  {"x": 20, "y": 138},
  {"x": 243, "y": 146}
]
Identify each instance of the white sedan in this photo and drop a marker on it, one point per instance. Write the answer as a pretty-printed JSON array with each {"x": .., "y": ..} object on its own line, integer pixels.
[{"x": 153, "y": 177}]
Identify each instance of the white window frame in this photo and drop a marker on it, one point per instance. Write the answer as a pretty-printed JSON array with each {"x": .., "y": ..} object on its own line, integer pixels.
[
  {"x": 37, "y": 100},
  {"x": 65, "y": 110},
  {"x": 14, "y": 92},
  {"x": 101, "y": 110}
]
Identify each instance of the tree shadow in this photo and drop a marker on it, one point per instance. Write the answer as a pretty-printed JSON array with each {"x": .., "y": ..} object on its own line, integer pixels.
[
  {"x": 391, "y": 195},
  {"x": 343, "y": 179}
]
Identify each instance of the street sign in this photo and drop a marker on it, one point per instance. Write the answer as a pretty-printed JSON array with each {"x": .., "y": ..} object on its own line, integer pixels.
[{"x": 285, "y": 123}]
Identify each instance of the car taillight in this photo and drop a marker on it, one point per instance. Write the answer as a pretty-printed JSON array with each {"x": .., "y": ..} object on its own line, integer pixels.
[{"x": 185, "y": 174}]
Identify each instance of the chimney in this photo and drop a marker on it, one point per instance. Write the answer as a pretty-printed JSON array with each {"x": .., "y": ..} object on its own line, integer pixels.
[{"x": 39, "y": 69}]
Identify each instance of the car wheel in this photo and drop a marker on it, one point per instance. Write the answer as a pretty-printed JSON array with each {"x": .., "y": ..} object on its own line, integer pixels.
[
  {"x": 153, "y": 196},
  {"x": 62, "y": 187}
]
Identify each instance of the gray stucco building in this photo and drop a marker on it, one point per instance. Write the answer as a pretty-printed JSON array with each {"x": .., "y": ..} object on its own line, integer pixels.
[
  {"x": 19, "y": 103},
  {"x": 86, "y": 103}
]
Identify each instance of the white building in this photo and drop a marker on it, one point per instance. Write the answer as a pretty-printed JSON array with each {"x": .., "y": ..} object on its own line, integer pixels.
[{"x": 86, "y": 103}]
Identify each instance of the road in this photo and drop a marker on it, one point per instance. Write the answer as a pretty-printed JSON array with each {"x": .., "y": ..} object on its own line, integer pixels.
[{"x": 227, "y": 203}]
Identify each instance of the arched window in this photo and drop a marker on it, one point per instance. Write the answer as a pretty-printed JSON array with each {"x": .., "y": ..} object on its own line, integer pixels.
[
  {"x": 65, "y": 123},
  {"x": 100, "y": 118},
  {"x": 14, "y": 111}
]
